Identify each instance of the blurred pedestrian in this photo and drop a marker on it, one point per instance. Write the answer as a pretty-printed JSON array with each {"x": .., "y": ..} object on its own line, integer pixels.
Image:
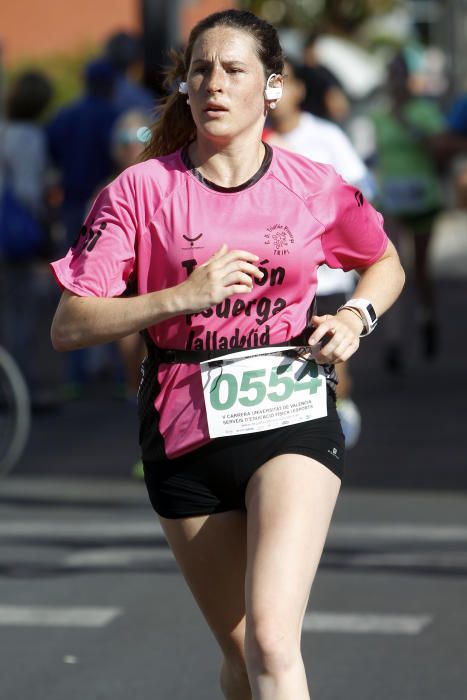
[
  {"x": 209, "y": 182},
  {"x": 325, "y": 97},
  {"x": 450, "y": 147},
  {"x": 456, "y": 141},
  {"x": 125, "y": 53},
  {"x": 27, "y": 298},
  {"x": 79, "y": 139},
  {"x": 457, "y": 118},
  {"x": 337, "y": 48},
  {"x": 322, "y": 141},
  {"x": 130, "y": 136},
  {"x": 315, "y": 137},
  {"x": 410, "y": 191}
]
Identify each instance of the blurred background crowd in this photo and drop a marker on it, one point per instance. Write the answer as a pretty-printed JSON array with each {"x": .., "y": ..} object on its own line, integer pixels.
[{"x": 377, "y": 88}]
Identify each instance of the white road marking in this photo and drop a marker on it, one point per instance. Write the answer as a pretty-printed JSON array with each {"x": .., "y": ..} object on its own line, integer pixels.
[
  {"x": 352, "y": 623},
  {"x": 420, "y": 560},
  {"x": 120, "y": 556},
  {"x": 398, "y": 532},
  {"x": 365, "y": 623},
  {"x": 51, "y": 616},
  {"x": 96, "y": 529},
  {"x": 70, "y": 659},
  {"x": 140, "y": 556},
  {"x": 342, "y": 531}
]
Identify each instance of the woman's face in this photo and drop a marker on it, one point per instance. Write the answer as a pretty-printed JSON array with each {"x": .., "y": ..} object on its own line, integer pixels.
[{"x": 226, "y": 84}]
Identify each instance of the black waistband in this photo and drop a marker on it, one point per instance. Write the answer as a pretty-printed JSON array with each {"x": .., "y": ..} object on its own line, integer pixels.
[{"x": 172, "y": 356}]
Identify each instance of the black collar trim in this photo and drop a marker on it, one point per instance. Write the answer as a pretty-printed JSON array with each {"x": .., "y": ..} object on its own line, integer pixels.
[{"x": 264, "y": 167}]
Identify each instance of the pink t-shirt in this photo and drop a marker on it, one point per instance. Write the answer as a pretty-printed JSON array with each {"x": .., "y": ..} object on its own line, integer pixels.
[{"x": 159, "y": 219}]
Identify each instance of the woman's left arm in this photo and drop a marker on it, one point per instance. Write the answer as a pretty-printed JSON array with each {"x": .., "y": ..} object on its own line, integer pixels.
[{"x": 380, "y": 283}]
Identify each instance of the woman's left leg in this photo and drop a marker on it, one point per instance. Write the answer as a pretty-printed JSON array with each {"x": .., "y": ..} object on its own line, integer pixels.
[{"x": 290, "y": 501}]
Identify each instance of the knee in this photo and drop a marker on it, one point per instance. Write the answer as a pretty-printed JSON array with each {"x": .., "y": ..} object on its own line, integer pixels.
[{"x": 271, "y": 648}]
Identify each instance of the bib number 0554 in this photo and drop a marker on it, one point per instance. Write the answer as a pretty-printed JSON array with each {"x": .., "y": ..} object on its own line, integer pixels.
[
  {"x": 260, "y": 392},
  {"x": 254, "y": 387}
]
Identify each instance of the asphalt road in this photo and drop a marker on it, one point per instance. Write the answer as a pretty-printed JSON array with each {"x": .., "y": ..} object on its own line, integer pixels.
[{"x": 92, "y": 605}]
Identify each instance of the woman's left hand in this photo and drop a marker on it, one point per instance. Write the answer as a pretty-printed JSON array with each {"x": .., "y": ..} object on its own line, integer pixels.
[{"x": 341, "y": 334}]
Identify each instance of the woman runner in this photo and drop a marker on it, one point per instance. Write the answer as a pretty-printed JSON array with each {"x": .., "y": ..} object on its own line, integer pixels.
[{"x": 223, "y": 234}]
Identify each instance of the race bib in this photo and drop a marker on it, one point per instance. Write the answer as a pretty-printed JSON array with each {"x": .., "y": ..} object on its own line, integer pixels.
[{"x": 260, "y": 389}]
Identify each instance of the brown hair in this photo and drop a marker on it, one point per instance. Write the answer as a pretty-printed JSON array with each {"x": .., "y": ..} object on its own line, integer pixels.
[{"x": 175, "y": 126}]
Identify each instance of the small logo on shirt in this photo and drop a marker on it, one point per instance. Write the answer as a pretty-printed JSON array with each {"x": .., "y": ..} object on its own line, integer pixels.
[
  {"x": 359, "y": 198},
  {"x": 280, "y": 238},
  {"x": 192, "y": 240},
  {"x": 334, "y": 453},
  {"x": 87, "y": 238}
]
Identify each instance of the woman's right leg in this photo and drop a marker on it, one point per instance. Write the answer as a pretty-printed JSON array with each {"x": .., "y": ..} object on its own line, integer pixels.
[{"x": 211, "y": 553}]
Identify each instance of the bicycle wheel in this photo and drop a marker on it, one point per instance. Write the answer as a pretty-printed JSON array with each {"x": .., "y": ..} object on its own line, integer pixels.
[{"x": 15, "y": 412}]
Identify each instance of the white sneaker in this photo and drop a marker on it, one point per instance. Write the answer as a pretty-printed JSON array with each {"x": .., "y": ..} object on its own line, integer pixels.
[{"x": 351, "y": 421}]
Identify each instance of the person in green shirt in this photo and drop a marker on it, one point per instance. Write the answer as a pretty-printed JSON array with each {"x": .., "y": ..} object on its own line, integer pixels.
[{"x": 410, "y": 194}]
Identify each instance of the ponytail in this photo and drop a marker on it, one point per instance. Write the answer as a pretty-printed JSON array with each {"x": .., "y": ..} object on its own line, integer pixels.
[{"x": 174, "y": 126}]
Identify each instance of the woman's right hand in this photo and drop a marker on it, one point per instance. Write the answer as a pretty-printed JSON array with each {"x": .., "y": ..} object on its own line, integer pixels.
[
  {"x": 226, "y": 273},
  {"x": 81, "y": 321}
]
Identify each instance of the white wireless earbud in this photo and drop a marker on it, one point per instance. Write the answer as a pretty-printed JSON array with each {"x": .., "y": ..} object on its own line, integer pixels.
[
  {"x": 183, "y": 88},
  {"x": 272, "y": 93}
]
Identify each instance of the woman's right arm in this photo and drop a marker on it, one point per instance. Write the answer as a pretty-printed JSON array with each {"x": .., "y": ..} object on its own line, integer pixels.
[{"x": 81, "y": 321}]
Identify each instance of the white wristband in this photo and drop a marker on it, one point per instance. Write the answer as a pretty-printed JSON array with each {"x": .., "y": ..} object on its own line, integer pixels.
[{"x": 366, "y": 311}]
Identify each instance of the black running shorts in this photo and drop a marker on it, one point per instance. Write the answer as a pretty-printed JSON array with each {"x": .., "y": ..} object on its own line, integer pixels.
[{"x": 213, "y": 478}]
